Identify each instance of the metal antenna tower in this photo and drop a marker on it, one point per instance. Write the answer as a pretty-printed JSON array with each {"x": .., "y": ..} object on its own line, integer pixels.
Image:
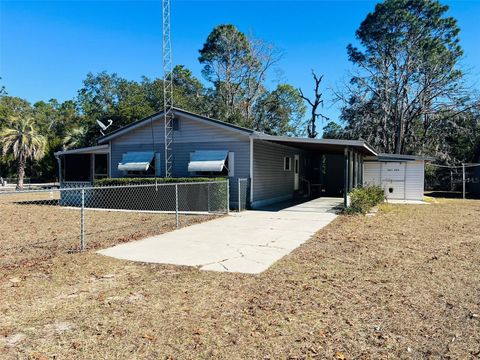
[{"x": 167, "y": 87}]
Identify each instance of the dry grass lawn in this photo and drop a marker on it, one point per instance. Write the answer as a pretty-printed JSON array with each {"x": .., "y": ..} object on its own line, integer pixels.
[
  {"x": 403, "y": 284},
  {"x": 33, "y": 227}
]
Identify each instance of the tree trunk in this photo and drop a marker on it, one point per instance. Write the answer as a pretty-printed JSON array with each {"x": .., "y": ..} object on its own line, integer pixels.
[
  {"x": 312, "y": 123},
  {"x": 21, "y": 173},
  {"x": 400, "y": 134}
]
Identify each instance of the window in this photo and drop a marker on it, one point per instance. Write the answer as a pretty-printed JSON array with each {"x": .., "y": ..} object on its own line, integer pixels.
[
  {"x": 138, "y": 163},
  {"x": 212, "y": 163},
  {"x": 296, "y": 166},
  {"x": 150, "y": 172},
  {"x": 287, "y": 163}
]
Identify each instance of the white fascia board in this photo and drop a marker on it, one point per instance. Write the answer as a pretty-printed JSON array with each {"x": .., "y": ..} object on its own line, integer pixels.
[{"x": 99, "y": 149}]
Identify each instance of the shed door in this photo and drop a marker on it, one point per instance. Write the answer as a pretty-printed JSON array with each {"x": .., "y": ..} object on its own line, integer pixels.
[{"x": 393, "y": 179}]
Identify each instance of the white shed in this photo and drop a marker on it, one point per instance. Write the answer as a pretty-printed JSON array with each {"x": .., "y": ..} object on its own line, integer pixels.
[{"x": 401, "y": 176}]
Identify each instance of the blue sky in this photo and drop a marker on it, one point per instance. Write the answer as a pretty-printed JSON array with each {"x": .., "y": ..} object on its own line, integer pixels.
[{"x": 47, "y": 47}]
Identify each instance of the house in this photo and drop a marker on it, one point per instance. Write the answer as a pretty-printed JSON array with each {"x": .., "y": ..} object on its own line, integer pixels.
[{"x": 277, "y": 167}]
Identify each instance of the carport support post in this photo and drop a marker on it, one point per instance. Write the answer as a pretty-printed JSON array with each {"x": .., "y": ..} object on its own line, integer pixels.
[
  {"x": 208, "y": 197},
  {"x": 239, "y": 207},
  {"x": 59, "y": 161},
  {"x": 82, "y": 222},
  {"x": 345, "y": 178}
]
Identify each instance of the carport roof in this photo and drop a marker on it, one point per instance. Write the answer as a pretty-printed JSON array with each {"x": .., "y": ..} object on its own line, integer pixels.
[
  {"x": 332, "y": 146},
  {"x": 399, "y": 157},
  {"x": 99, "y": 149}
]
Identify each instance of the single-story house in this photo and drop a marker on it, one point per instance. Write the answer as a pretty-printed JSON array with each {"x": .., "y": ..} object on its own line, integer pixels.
[{"x": 277, "y": 167}]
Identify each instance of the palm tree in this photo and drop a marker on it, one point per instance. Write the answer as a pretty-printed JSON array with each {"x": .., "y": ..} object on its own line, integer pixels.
[
  {"x": 74, "y": 137},
  {"x": 22, "y": 140}
]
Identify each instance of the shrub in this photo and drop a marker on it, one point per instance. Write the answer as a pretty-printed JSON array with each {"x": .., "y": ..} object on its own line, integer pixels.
[
  {"x": 141, "y": 181},
  {"x": 362, "y": 199}
]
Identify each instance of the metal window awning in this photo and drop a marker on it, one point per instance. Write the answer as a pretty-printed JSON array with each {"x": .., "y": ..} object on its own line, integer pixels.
[
  {"x": 136, "y": 161},
  {"x": 207, "y": 160}
]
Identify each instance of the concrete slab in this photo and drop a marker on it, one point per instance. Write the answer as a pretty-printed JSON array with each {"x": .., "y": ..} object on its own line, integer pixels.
[
  {"x": 246, "y": 242},
  {"x": 407, "y": 202}
]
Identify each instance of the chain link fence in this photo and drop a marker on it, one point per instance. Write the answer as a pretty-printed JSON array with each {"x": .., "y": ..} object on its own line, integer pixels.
[
  {"x": 242, "y": 194},
  {"x": 10, "y": 184},
  {"x": 37, "y": 224},
  {"x": 452, "y": 181}
]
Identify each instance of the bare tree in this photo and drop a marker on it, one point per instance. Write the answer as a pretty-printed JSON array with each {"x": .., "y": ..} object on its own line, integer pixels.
[{"x": 314, "y": 103}]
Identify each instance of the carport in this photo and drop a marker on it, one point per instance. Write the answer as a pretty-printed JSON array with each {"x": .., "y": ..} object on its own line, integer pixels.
[{"x": 322, "y": 167}]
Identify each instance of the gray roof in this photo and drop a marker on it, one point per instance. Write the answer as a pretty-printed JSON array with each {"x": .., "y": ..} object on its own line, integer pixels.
[
  {"x": 328, "y": 145},
  {"x": 99, "y": 149},
  {"x": 402, "y": 157}
]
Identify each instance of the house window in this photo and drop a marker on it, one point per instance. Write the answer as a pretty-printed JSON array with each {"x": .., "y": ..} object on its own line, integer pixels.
[
  {"x": 287, "y": 163},
  {"x": 138, "y": 163},
  {"x": 150, "y": 172},
  {"x": 212, "y": 163}
]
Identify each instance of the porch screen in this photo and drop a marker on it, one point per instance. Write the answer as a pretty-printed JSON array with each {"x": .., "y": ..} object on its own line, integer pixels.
[
  {"x": 78, "y": 167},
  {"x": 207, "y": 160},
  {"x": 136, "y": 161}
]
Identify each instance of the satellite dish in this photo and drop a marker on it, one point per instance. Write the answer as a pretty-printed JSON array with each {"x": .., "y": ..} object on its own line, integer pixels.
[{"x": 104, "y": 127}]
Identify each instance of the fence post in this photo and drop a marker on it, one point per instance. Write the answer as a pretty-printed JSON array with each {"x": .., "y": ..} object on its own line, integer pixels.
[
  {"x": 176, "y": 204},
  {"x": 228, "y": 197},
  {"x": 82, "y": 222},
  {"x": 208, "y": 197},
  {"x": 239, "y": 192},
  {"x": 463, "y": 176}
]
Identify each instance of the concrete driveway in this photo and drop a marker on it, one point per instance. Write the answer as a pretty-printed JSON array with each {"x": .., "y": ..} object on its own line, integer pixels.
[{"x": 246, "y": 242}]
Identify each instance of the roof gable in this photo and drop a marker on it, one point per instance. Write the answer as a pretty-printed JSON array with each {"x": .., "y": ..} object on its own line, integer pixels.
[{"x": 126, "y": 129}]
